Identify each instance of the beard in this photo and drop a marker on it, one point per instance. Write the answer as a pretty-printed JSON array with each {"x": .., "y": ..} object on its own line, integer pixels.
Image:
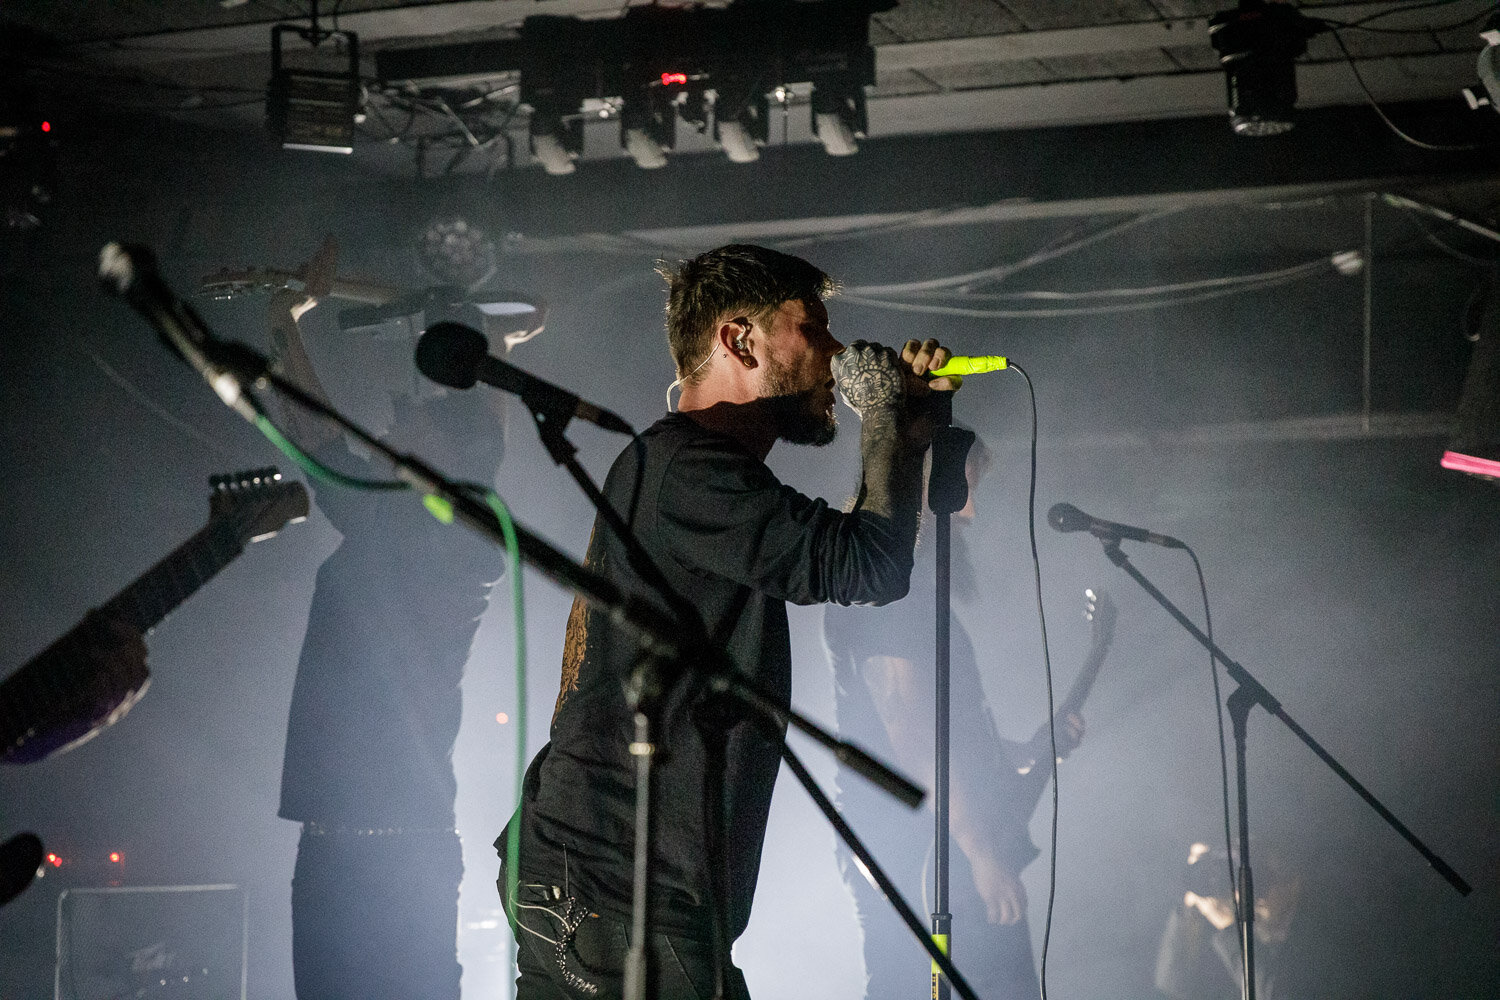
[{"x": 798, "y": 414}]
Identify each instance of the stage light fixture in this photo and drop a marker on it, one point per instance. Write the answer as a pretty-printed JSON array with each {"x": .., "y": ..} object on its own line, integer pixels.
[
  {"x": 1475, "y": 447},
  {"x": 1258, "y": 44},
  {"x": 1487, "y": 91},
  {"x": 742, "y": 119},
  {"x": 312, "y": 109},
  {"x": 838, "y": 115},
  {"x": 28, "y": 160},
  {"x": 648, "y": 125},
  {"x": 556, "y": 141}
]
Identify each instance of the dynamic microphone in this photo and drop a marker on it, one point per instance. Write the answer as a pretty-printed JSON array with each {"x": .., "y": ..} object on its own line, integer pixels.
[
  {"x": 131, "y": 273},
  {"x": 457, "y": 356},
  {"x": 1066, "y": 517},
  {"x": 960, "y": 365}
]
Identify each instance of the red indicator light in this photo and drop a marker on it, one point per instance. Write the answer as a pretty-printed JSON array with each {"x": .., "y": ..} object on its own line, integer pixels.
[
  {"x": 54, "y": 861},
  {"x": 667, "y": 79},
  {"x": 114, "y": 856},
  {"x": 46, "y": 126}
]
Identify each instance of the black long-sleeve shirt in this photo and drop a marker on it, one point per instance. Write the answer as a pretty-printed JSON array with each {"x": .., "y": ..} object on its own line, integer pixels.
[{"x": 736, "y": 544}]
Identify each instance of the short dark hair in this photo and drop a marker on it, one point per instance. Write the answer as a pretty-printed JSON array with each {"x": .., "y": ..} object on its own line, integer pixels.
[{"x": 738, "y": 278}]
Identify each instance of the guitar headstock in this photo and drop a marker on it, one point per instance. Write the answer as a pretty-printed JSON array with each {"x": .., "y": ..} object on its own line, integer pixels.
[
  {"x": 229, "y": 284},
  {"x": 257, "y": 502},
  {"x": 1101, "y": 611}
]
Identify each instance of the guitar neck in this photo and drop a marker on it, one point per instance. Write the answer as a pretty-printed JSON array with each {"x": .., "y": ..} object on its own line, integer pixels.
[
  {"x": 173, "y": 580},
  {"x": 362, "y": 291},
  {"x": 1084, "y": 682}
]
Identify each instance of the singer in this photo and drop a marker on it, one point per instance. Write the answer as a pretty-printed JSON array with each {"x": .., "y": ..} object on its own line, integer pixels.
[{"x": 750, "y": 337}]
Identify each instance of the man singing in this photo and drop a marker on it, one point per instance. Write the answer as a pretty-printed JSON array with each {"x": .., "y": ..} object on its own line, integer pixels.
[{"x": 749, "y": 335}]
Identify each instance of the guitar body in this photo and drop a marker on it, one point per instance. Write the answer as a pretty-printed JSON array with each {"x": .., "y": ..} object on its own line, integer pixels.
[{"x": 88, "y": 679}]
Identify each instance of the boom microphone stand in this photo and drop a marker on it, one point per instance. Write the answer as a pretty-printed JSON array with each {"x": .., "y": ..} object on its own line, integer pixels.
[
  {"x": 1246, "y": 696},
  {"x": 229, "y": 367}
]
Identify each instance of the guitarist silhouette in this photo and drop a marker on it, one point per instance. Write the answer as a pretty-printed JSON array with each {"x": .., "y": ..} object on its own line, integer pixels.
[{"x": 883, "y": 679}]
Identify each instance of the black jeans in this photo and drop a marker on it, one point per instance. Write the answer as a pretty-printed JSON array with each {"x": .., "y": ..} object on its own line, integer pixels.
[
  {"x": 376, "y": 916},
  {"x": 569, "y": 951}
]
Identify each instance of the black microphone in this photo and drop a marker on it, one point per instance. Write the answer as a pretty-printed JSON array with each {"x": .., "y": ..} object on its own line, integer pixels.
[
  {"x": 1066, "y": 517},
  {"x": 457, "y": 356}
]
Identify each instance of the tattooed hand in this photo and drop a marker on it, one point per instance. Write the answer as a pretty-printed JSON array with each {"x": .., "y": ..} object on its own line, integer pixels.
[{"x": 869, "y": 376}]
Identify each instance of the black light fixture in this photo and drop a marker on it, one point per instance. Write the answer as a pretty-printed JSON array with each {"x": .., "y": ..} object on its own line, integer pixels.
[
  {"x": 1487, "y": 90},
  {"x": 556, "y": 139},
  {"x": 742, "y": 117},
  {"x": 656, "y": 63},
  {"x": 1258, "y": 44},
  {"x": 648, "y": 121},
  {"x": 28, "y": 161},
  {"x": 838, "y": 114},
  {"x": 314, "y": 109}
]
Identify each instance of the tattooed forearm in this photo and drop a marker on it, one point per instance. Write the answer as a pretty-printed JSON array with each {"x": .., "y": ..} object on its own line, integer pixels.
[{"x": 868, "y": 375}]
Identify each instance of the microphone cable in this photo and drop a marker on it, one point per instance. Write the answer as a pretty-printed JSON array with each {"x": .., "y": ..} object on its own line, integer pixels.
[
  {"x": 1036, "y": 568},
  {"x": 1213, "y": 672}
]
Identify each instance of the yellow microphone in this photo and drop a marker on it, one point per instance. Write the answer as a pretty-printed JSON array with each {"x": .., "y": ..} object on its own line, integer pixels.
[{"x": 960, "y": 365}]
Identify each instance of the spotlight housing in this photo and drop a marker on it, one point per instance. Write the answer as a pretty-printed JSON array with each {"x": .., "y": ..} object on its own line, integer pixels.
[
  {"x": 313, "y": 109},
  {"x": 1487, "y": 91},
  {"x": 648, "y": 125},
  {"x": 1258, "y": 43},
  {"x": 556, "y": 141}
]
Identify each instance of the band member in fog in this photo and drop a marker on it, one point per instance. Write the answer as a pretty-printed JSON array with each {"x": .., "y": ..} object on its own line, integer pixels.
[
  {"x": 883, "y": 686},
  {"x": 749, "y": 335},
  {"x": 375, "y": 709}
]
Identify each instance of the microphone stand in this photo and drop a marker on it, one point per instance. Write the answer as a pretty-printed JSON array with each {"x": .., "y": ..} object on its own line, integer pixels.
[
  {"x": 229, "y": 366},
  {"x": 947, "y": 492},
  {"x": 657, "y": 634},
  {"x": 1249, "y": 693}
]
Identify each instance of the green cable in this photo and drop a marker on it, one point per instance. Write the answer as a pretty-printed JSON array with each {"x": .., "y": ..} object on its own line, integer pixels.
[
  {"x": 442, "y": 509},
  {"x": 317, "y": 469},
  {"x": 513, "y": 828}
]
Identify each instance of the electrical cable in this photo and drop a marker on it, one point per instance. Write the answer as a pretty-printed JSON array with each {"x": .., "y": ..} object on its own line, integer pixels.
[
  {"x": 1036, "y": 567},
  {"x": 171, "y": 419},
  {"x": 1370, "y": 98},
  {"x": 1362, "y": 23},
  {"x": 1411, "y": 204},
  {"x": 1296, "y": 270},
  {"x": 513, "y": 561},
  {"x": 1123, "y": 307},
  {"x": 1445, "y": 246},
  {"x": 312, "y": 466},
  {"x": 1213, "y": 670},
  {"x": 1002, "y": 271}
]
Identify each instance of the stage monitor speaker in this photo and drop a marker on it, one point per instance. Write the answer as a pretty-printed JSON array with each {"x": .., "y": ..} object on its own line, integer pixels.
[{"x": 152, "y": 941}]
